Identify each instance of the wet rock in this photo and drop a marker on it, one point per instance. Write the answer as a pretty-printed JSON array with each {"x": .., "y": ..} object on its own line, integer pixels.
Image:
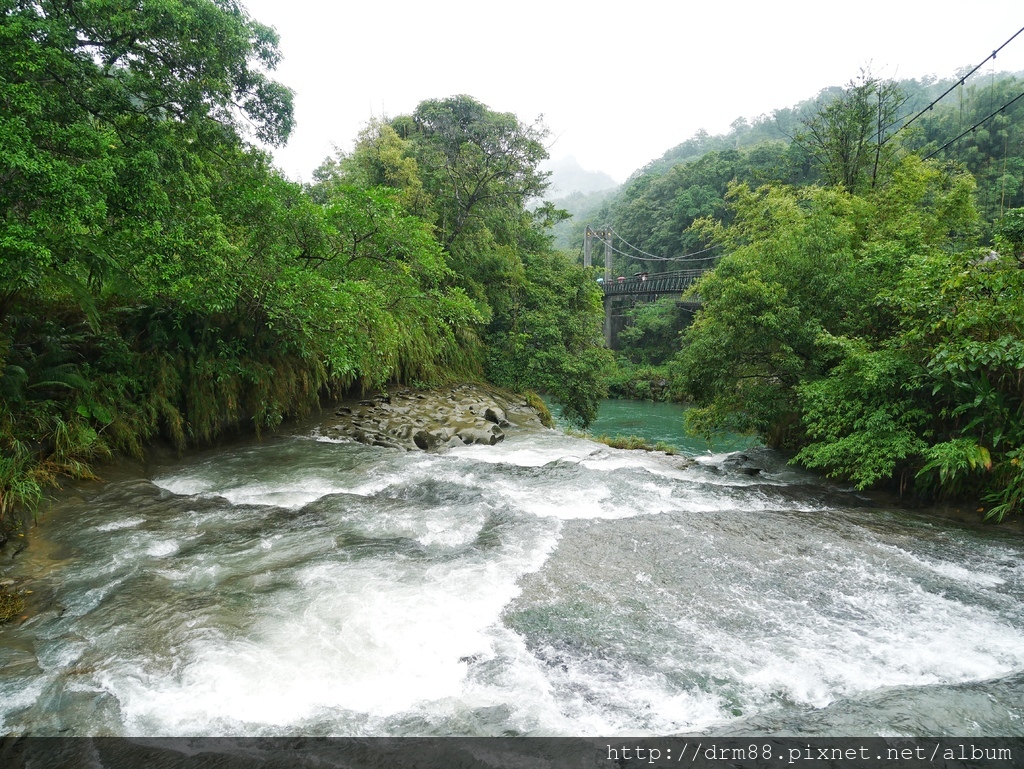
[
  {"x": 496, "y": 415},
  {"x": 433, "y": 420},
  {"x": 742, "y": 463},
  {"x": 426, "y": 440},
  {"x": 481, "y": 435}
]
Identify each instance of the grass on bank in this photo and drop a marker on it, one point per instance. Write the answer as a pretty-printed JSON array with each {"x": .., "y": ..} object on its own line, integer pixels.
[
  {"x": 536, "y": 403},
  {"x": 627, "y": 442}
]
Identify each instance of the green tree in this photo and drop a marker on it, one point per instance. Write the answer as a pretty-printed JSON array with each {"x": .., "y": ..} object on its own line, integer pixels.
[
  {"x": 94, "y": 95},
  {"x": 859, "y": 332},
  {"x": 788, "y": 276},
  {"x": 158, "y": 275},
  {"x": 474, "y": 173},
  {"x": 550, "y": 337},
  {"x": 482, "y": 164},
  {"x": 652, "y": 336},
  {"x": 848, "y": 134}
]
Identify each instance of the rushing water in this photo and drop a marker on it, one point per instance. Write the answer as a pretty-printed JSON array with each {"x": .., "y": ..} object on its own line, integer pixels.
[{"x": 547, "y": 585}]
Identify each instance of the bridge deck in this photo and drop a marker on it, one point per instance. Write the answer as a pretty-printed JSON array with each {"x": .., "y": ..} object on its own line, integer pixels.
[
  {"x": 653, "y": 285},
  {"x": 648, "y": 287}
]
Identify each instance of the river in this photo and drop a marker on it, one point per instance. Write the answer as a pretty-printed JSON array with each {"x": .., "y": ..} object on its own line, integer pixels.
[{"x": 547, "y": 585}]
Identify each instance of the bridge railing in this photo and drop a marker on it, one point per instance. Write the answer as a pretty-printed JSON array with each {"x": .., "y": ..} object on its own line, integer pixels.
[{"x": 660, "y": 283}]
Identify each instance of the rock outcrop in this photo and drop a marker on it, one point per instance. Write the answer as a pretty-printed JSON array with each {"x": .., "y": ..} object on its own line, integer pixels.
[{"x": 432, "y": 420}]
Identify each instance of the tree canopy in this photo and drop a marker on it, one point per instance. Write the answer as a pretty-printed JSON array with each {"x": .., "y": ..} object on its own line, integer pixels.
[
  {"x": 474, "y": 173},
  {"x": 865, "y": 310},
  {"x": 158, "y": 276}
]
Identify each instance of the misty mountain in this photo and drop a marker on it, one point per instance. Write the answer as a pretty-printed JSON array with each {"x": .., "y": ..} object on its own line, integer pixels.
[{"x": 568, "y": 176}]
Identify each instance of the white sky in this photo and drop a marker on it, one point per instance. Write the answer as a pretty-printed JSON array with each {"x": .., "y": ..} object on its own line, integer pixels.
[{"x": 617, "y": 84}]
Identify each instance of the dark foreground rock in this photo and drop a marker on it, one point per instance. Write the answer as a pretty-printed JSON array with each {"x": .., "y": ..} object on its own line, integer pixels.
[{"x": 432, "y": 420}]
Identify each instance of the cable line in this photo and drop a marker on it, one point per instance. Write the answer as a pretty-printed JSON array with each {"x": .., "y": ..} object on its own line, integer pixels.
[
  {"x": 656, "y": 258},
  {"x": 652, "y": 257},
  {"x": 958, "y": 82},
  {"x": 983, "y": 120},
  {"x": 645, "y": 253}
]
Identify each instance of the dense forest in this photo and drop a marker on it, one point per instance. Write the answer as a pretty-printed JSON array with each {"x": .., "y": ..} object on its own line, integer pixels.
[
  {"x": 866, "y": 306},
  {"x": 160, "y": 279}
]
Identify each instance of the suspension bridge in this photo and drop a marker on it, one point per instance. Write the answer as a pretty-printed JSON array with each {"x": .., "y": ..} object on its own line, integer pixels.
[{"x": 622, "y": 292}]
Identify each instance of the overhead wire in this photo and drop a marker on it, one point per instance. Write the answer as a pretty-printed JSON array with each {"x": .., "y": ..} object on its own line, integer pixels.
[
  {"x": 617, "y": 251},
  {"x": 983, "y": 120},
  {"x": 960, "y": 81},
  {"x": 645, "y": 253},
  {"x": 652, "y": 258}
]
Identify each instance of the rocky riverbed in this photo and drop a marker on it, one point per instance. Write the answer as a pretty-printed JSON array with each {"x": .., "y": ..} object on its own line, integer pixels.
[{"x": 432, "y": 420}]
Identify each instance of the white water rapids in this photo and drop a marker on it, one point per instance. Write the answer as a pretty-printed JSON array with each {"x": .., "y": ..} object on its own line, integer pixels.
[{"x": 544, "y": 586}]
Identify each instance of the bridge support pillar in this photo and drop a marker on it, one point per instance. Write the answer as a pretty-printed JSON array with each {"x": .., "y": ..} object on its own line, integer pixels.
[{"x": 608, "y": 322}]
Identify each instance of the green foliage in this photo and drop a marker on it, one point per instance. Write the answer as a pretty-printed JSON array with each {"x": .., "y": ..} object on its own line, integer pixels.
[
  {"x": 97, "y": 97},
  {"x": 468, "y": 170},
  {"x": 19, "y": 479},
  {"x": 159, "y": 278},
  {"x": 859, "y": 324},
  {"x": 853, "y": 330},
  {"x": 863, "y": 421},
  {"x": 993, "y": 153},
  {"x": 953, "y": 461},
  {"x": 482, "y": 164},
  {"x": 654, "y": 211},
  {"x": 1011, "y": 230},
  {"x": 651, "y": 335},
  {"x": 473, "y": 172},
  {"x": 641, "y": 382},
  {"x": 535, "y": 402},
  {"x": 549, "y": 337},
  {"x": 1007, "y": 495},
  {"x": 789, "y": 276},
  {"x": 848, "y": 134}
]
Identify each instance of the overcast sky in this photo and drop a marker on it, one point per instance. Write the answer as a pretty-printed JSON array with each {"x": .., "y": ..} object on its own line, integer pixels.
[{"x": 617, "y": 84}]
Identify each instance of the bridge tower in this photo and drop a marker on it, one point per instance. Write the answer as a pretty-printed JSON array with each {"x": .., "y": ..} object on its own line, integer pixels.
[{"x": 605, "y": 235}]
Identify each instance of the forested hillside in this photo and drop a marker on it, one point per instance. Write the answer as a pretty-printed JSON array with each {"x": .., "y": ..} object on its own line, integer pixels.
[
  {"x": 158, "y": 276},
  {"x": 866, "y": 311},
  {"x": 657, "y": 205}
]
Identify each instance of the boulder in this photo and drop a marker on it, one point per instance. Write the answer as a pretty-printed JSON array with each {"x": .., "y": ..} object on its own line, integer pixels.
[
  {"x": 496, "y": 414},
  {"x": 486, "y": 436},
  {"x": 433, "y": 420}
]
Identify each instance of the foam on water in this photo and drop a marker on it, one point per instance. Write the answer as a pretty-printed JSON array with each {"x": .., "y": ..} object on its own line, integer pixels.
[
  {"x": 127, "y": 523},
  {"x": 952, "y": 570},
  {"x": 546, "y": 585},
  {"x": 343, "y": 636}
]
